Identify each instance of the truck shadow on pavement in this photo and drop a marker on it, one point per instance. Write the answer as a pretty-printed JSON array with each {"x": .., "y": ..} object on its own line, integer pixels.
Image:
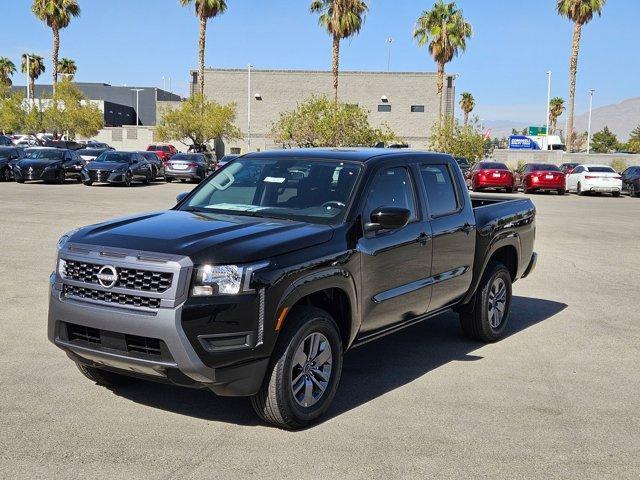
[{"x": 368, "y": 371}]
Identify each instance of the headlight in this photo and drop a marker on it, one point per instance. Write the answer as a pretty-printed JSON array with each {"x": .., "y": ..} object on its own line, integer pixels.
[
  {"x": 212, "y": 280},
  {"x": 65, "y": 238}
]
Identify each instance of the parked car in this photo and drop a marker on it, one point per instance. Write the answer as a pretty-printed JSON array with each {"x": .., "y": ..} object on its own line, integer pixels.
[
  {"x": 225, "y": 159},
  {"x": 9, "y": 156},
  {"x": 66, "y": 144},
  {"x": 188, "y": 166},
  {"x": 48, "y": 164},
  {"x": 538, "y": 177},
  {"x": 157, "y": 165},
  {"x": 631, "y": 181},
  {"x": 594, "y": 178},
  {"x": 164, "y": 150},
  {"x": 5, "y": 141},
  {"x": 491, "y": 175},
  {"x": 464, "y": 165},
  {"x": 116, "y": 167},
  {"x": 93, "y": 144},
  {"x": 567, "y": 168},
  {"x": 258, "y": 290},
  {"x": 89, "y": 154}
]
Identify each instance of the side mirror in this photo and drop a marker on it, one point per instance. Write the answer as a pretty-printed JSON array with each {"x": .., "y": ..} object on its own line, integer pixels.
[
  {"x": 181, "y": 196},
  {"x": 387, "y": 218}
]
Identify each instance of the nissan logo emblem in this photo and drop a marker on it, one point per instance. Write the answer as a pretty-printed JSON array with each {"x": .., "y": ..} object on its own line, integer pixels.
[{"x": 107, "y": 276}]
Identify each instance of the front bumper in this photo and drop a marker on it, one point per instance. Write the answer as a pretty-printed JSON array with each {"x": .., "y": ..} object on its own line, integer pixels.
[
  {"x": 45, "y": 175},
  {"x": 215, "y": 345},
  {"x": 102, "y": 177}
]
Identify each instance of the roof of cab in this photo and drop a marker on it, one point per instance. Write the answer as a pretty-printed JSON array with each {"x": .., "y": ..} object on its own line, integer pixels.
[{"x": 340, "y": 154}]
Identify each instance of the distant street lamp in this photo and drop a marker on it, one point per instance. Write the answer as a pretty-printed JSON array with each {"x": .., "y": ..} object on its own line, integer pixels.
[
  {"x": 591, "y": 92},
  {"x": 137, "y": 90},
  {"x": 389, "y": 41},
  {"x": 548, "y": 106}
]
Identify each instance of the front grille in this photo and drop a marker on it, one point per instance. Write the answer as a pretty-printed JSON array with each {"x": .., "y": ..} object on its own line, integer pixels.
[
  {"x": 130, "y": 345},
  {"x": 133, "y": 279},
  {"x": 95, "y": 177},
  {"x": 110, "y": 297}
]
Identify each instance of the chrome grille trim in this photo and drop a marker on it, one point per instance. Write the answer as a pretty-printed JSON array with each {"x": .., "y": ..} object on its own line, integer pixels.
[
  {"x": 112, "y": 298},
  {"x": 164, "y": 285}
]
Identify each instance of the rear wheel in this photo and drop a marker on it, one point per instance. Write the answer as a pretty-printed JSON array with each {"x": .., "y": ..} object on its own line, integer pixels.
[
  {"x": 61, "y": 178},
  {"x": 579, "y": 189},
  {"x": 148, "y": 178},
  {"x": 486, "y": 317},
  {"x": 632, "y": 190},
  {"x": 167, "y": 179},
  {"x": 127, "y": 179},
  {"x": 303, "y": 377},
  {"x": 562, "y": 191},
  {"x": 616, "y": 194},
  {"x": 104, "y": 377}
]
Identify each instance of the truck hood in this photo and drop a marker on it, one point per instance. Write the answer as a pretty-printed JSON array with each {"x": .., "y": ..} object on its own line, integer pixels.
[{"x": 205, "y": 237}]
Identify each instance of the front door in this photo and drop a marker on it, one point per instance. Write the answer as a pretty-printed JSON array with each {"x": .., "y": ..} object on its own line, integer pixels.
[{"x": 395, "y": 263}]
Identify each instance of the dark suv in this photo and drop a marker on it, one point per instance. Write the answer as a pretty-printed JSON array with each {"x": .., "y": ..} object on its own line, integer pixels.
[{"x": 258, "y": 281}]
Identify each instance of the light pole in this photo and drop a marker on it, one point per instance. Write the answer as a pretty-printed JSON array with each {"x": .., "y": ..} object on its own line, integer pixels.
[
  {"x": 591, "y": 92},
  {"x": 389, "y": 41},
  {"x": 249, "y": 107},
  {"x": 548, "y": 106},
  {"x": 164, "y": 83},
  {"x": 137, "y": 90}
]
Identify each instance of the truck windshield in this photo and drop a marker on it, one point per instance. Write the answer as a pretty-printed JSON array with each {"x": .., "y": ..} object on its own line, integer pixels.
[{"x": 310, "y": 190}]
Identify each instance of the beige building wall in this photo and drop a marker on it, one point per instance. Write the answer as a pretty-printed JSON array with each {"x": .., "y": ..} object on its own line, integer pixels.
[{"x": 282, "y": 90}]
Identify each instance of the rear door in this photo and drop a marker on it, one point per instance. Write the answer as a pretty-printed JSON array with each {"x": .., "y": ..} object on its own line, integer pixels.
[
  {"x": 453, "y": 232},
  {"x": 396, "y": 264}
]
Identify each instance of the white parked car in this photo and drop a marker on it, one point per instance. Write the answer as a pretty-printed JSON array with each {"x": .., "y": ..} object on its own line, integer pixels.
[{"x": 594, "y": 178}]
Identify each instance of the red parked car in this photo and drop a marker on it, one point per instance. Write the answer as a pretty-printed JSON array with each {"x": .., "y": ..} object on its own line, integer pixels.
[
  {"x": 164, "y": 150},
  {"x": 536, "y": 177},
  {"x": 491, "y": 175}
]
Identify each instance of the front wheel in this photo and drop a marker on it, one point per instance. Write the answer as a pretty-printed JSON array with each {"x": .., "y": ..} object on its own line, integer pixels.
[
  {"x": 88, "y": 183},
  {"x": 303, "y": 377},
  {"x": 6, "y": 174},
  {"x": 486, "y": 317}
]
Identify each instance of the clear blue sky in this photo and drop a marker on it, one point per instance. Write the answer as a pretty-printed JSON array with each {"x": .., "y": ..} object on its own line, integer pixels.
[{"x": 136, "y": 42}]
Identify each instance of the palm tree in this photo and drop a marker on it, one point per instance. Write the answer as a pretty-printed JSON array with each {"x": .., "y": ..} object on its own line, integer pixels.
[
  {"x": 556, "y": 107},
  {"x": 445, "y": 30},
  {"x": 67, "y": 67},
  {"x": 467, "y": 104},
  {"x": 580, "y": 12},
  {"x": 57, "y": 14},
  {"x": 205, "y": 10},
  {"x": 342, "y": 19},
  {"x": 35, "y": 68},
  {"x": 7, "y": 69}
]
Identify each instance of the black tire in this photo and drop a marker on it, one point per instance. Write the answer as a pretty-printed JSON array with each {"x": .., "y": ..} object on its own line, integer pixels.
[
  {"x": 168, "y": 179},
  {"x": 509, "y": 190},
  {"x": 475, "y": 318},
  {"x": 562, "y": 191},
  {"x": 6, "y": 175},
  {"x": 147, "y": 179},
  {"x": 183, "y": 180},
  {"x": 616, "y": 194},
  {"x": 88, "y": 183},
  {"x": 632, "y": 191},
  {"x": 104, "y": 377},
  {"x": 19, "y": 181},
  {"x": 61, "y": 178},
  {"x": 275, "y": 402},
  {"x": 579, "y": 189},
  {"x": 127, "y": 179}
]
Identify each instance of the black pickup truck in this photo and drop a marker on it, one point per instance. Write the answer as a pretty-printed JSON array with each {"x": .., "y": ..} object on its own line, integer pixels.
[{"x": 258, "y": 281}]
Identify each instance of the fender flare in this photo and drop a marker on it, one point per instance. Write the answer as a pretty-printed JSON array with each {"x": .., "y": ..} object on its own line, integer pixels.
[{"x": 327, "y": 278}]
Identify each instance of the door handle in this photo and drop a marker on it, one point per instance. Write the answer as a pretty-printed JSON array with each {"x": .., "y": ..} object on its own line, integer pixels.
[{"x": 423, "y": 239}]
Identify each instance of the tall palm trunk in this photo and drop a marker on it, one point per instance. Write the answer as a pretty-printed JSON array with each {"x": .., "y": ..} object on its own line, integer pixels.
[
  {"x": 54, "y": 56},
  {"x": 573, "y": 68},
  {"x": 440, "y": 89},
  {"x": 466, "y": 118},
  {"x": 336, "y": 65},
  {"x": 32, "y": 86},
  {"x": 201, "y": 47}
]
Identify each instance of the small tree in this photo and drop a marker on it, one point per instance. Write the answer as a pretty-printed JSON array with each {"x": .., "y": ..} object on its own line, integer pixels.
[
  {"x": 618, "y": 165},
  {"x": 458, "y": 140},
  {"x": 633, "y": 145},
  {"x": 604, "y": 141},
  {"x": 320, "y": 122},
  {"x": 12, "y": 113},
  {"x": 198, "y": 121},
  {"x": 67, "y": 112}
]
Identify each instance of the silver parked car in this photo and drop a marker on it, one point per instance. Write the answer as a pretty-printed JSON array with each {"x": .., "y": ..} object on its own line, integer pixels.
[{"x": 189, "y": 166}]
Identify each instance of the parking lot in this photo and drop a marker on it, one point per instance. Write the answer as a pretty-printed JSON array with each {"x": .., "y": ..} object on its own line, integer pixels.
[{"x": 558, "y": 398}]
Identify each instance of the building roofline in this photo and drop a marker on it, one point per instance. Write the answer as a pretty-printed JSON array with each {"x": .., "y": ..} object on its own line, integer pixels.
[{"x": 358, "y": 72}]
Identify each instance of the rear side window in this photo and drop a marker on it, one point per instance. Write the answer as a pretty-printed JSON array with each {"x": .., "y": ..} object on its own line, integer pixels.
[
  {"x": 440, "y": 189},
  {"x": 492, "y": 166},
  {"x": 391, "y": 188}
]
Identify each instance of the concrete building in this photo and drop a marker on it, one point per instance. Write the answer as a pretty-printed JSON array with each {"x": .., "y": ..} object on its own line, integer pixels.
[
  {"x": 405, "y": 101},
  {"x": 119, "y": 102}
]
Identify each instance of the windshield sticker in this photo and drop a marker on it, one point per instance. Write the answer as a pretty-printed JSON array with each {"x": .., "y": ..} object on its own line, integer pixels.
[{"x": 273, "y": 180}]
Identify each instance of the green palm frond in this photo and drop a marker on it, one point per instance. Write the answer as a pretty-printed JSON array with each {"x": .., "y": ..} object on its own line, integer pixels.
[
  {"x": 56, "y": 13},
  {"x": 580, "y": 11}
]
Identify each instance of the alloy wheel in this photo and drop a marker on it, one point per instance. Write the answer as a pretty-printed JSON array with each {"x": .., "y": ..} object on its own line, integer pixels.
[
  {"x": 311, "y": 369},
  {"x": 497, "y": 302}
]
